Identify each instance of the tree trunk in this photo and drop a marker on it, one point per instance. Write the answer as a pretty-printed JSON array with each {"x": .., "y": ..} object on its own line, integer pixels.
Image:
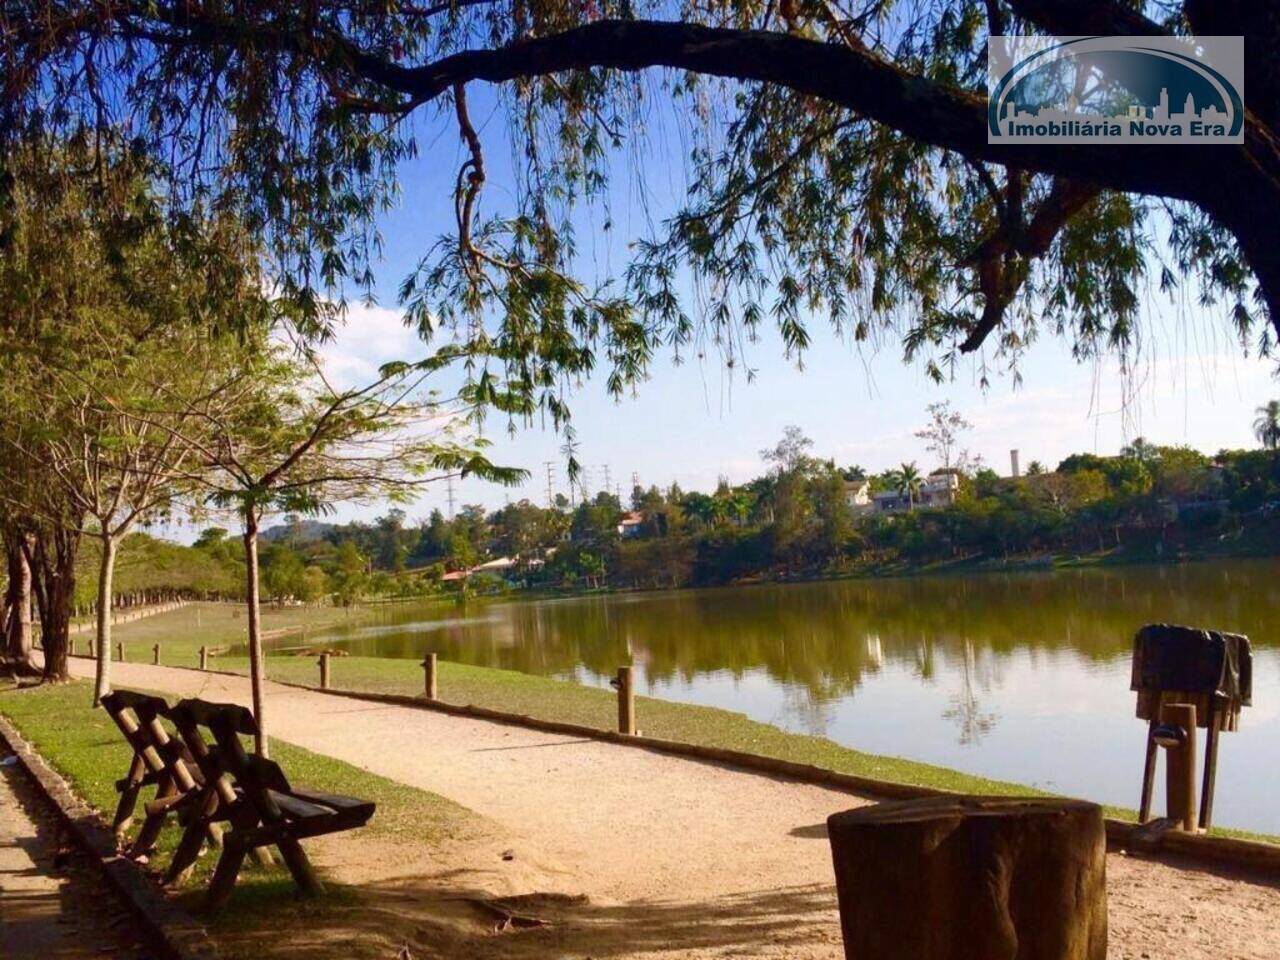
[
  {"x": 17, "y": 625},
  {"x": 106, "y": 571},
  {"x": 257, "y": 672},
  {"x": 55, "y": 588},
  {"x": 972, "y": 878}
]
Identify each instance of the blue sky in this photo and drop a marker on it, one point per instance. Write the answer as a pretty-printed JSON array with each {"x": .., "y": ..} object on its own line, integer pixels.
[{"x": 695, "y": 422}]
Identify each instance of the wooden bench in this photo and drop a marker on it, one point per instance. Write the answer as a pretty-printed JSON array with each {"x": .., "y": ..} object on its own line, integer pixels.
[
  {"x": 158, "y": 760},
  {"x": 255, "y": 797}
]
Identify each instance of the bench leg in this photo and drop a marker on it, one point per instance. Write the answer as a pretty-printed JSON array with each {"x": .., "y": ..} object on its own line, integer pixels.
[
  {"x": 192, "y": 837},
  {"x": 154, "y": 823},
  {"x": 128, "y": 797},
  {"x": 304, "y": 875},
  {"x": 224, "y": 875}
]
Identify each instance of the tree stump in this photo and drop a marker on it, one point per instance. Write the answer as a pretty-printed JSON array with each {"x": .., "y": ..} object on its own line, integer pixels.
[{"x": 972, "y": 878}]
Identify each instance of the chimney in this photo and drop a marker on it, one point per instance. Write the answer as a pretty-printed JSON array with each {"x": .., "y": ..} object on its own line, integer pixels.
[{"x": 1013, "y": 464}]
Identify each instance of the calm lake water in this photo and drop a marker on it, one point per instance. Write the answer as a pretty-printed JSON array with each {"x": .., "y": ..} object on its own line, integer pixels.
[{"x": 1020, "y": 677}]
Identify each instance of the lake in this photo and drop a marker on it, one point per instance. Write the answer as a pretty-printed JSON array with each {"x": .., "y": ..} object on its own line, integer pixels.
[{"x": 1021, "y": 677}]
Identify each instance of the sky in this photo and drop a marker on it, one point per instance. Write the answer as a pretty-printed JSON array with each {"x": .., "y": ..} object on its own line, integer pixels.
[{"x": 693, "y": 423}]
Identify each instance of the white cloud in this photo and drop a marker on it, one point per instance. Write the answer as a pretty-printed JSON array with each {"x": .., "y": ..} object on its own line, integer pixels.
[{"x": 370, "y": 337}]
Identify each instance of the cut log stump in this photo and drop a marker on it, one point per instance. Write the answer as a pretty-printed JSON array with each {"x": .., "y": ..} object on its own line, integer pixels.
[{"x": 972, "y": 878}]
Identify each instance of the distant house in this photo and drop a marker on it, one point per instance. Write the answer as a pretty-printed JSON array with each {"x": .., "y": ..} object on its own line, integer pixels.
[
  {"x": 857, "y": 494},
  {"x": 938, "y": 490},
  {"x": 631, "y": 524}
]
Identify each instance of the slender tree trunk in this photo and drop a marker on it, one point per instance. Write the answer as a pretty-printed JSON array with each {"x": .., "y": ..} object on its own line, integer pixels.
[
  {"x": 17, "y": 626},
  {"x": 106, "y": 572},
  {"x": 257, "y": 672}
]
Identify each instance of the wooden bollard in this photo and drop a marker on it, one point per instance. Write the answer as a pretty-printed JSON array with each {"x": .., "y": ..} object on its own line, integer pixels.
[
  {"x": 71, "y": 647},
  {"x": 429, "y": 674},
  {"x": 1180, "y": 765},
  {"x": 91, "y": 653},
  {"x": 204, "y": 658},
  {"x": 324, "y": 670},
  {"x": 155, "y": 654},
  {"x": 120, "y": 650},
  {"x": 626, "y": 700}
]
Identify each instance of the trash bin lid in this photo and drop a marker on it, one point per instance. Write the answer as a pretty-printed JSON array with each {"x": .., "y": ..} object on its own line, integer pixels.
[{"x": 1171, "y": 657}]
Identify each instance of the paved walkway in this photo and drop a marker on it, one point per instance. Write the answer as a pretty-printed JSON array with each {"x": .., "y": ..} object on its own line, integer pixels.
[
  {"x": 628, "y": 826},
  {"x": 51, "y": 905}
]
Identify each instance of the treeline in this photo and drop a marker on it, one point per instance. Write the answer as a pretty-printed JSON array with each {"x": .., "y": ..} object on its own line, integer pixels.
[{"x": 798, "y": 519}]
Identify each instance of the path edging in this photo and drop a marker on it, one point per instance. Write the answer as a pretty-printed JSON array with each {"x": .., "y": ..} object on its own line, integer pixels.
[{"x": 167, "y": 924}]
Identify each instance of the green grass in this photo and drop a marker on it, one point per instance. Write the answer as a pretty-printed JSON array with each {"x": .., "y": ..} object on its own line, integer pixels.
[
  {"x": 83, "y": 745},
  {"x": 181, "y": 633}
]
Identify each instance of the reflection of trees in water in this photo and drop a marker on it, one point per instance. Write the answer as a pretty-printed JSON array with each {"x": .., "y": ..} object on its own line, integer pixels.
[
  {"x": 966, "y": 710},
  {"x": 804, "y": 713},
  {"x": 818, "y": 636}
]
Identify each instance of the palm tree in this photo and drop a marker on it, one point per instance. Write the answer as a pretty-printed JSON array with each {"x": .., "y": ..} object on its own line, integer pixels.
[
  {"x": 1267, "y": 426},
  {"x": 908, "y": 481}
]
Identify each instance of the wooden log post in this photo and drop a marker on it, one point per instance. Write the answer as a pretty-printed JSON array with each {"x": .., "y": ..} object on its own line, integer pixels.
[
  {"x": 324, "y": 670},
  {"x": 155, "y": 654},
  {"x": 430, "y": 674},
  {"x": 1180, "y": 764},
  {"x": 972, "y": 878},
  {"x": 120, "y": 651},
  {"x": 1213, "y": 727},
  {"x": 625, "y": 682},
  {"x": 204, "y": 658},
  {"x": 1148, "y": 773}
]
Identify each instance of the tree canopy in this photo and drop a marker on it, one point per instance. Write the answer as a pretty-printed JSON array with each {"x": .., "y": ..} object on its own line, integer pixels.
[{"x": 837, "y": 163}]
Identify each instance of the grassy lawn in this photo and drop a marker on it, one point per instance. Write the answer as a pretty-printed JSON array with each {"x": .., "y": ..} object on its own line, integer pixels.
[
  {"x": 85, "y": 747},
  {"x": 181, "y": 633}
]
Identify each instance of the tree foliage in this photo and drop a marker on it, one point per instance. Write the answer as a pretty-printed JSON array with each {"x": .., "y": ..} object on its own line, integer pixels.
[{"x": 837, "y": 164}]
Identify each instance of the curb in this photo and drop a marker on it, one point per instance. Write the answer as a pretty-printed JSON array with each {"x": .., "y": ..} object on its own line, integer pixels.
[{"x": 167, "y": 925}]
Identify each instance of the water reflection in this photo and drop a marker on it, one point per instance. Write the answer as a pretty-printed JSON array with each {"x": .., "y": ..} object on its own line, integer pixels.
[{"x": 955, "y": 669}]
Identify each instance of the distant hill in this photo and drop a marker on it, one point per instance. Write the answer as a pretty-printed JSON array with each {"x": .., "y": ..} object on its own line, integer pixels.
[{"x": 305, "y": 530}]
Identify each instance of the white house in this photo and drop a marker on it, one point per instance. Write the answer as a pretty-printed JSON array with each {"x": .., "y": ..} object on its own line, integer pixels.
[{"x": 939, "y": 489}]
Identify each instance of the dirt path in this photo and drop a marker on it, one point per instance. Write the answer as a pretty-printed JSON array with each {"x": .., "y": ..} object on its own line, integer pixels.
[
  {"x": 51, "y": 904},
  {"x": 679, "y": 857}
]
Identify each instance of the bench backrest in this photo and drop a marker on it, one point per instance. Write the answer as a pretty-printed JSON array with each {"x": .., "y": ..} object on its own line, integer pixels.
[
  {"x": 137, "y": 715},
  {"x": 227, "y": 757}
]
